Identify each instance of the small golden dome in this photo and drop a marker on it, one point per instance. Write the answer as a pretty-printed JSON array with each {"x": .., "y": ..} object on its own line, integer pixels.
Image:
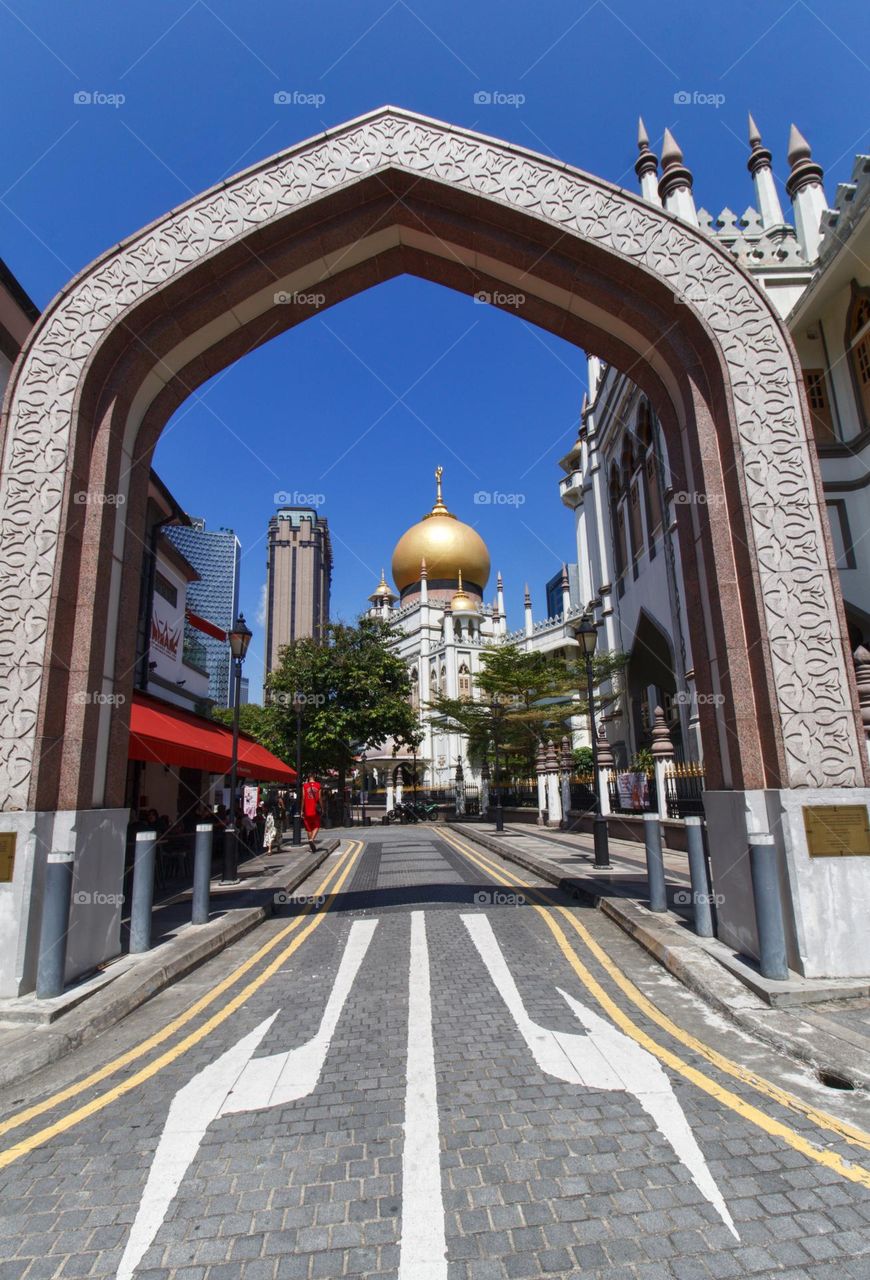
[
  {"x": 446, "y": 544},
  {"x": 462, "y": 601},
  {"x": 382, "y": 591}
]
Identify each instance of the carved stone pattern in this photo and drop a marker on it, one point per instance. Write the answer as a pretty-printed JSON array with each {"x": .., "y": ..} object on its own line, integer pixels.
[{"x": 810, "y": 676}]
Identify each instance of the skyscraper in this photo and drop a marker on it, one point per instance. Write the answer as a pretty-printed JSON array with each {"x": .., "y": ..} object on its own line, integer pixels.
[
  {"x": 298, "y": 579},
  {"x": 215, "y": 554}
]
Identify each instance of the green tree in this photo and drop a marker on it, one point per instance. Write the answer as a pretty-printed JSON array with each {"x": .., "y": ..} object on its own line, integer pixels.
[
  {"x": 534, "y": 696},
  {"x": 356, "y": 692},
  {"x": 261, "y": 724}
]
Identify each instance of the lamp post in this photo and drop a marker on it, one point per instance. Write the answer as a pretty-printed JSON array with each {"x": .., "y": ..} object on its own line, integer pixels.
[
  {"x": 586, "y": 634},
  {"x": 240, "y": 638},
  {"x": 497, "y": 711},
  {"x": 298, "y": 704},
  {"x": 364, "y": 762}
]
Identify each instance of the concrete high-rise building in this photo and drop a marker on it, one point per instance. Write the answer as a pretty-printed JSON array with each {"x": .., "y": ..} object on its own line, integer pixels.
[
  {"x": 215, "y": 554},
  {"x": 298, "y": 579}
]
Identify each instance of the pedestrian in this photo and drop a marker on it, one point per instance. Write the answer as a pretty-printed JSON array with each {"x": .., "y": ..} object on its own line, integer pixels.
[
  {"x": 270, "y": 835},
  {"x": 312, "y": 810}
]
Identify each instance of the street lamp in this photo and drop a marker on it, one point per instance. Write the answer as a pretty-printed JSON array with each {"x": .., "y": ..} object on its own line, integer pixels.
[
  {"x": 586, "y": 634},
  {"x": 362, "y": 797},
  {"x": 239, "y": 638},
  {"x": 497, "y": 711},
  {"x": 298, "y": 704}
]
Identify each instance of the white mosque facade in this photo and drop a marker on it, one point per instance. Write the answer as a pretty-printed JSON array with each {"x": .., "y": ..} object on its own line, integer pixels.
[{"x": 617, "y": 480}]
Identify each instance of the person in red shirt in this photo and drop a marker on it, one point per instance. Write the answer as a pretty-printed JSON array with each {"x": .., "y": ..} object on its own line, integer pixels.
[{"x": 311, "y": 809}]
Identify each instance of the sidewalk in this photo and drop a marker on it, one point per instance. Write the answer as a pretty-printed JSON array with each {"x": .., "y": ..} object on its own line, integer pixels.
[
  {"x": 34, "y": 1033},
  {"x": 821, "y": 1021}
]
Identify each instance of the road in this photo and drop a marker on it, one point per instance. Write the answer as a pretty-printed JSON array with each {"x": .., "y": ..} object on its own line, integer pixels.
[{"x": 429, "y": 1066}]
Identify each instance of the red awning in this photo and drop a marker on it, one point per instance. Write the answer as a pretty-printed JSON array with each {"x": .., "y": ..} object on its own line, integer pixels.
[
  {"x": 165, "y": 734},
  {"x": 203, "y": 624}
]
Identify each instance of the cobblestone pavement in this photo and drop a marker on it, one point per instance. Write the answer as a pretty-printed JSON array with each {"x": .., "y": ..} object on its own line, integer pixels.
[{"x": 570, "y": 1110}]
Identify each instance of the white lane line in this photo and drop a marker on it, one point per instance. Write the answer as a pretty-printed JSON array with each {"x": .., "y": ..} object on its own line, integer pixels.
[
  {"x": 192, "y": 1110},
  {"x": 236, "y": 1081},
  {"x": 423, "y": 1248},
  {"x": 604, "y": 1058},
  {"x": 287, "y": 1077}
]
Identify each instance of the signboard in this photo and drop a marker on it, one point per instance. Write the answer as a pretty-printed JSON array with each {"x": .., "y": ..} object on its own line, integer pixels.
[
  {"x": 837, "y": 830},
  {"x": 633, "y": 790},
  {"x": 251, "y": 796},
  {"x": 7, "y": 855}
]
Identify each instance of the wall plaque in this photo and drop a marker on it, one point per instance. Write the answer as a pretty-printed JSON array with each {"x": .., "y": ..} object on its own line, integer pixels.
[
  {"x": 837, "y": 830},
  {"x": 7, "y": 855}
]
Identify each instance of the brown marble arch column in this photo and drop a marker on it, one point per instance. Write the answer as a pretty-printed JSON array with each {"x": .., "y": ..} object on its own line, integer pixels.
[{"x": 133, "y": 335}]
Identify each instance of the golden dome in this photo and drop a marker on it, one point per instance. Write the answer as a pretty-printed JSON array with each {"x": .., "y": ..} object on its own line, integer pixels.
[
  {"x": 448, "y": 546},
  {"x": 382, "y": 591},
  {"x": 462, "y": 601}
]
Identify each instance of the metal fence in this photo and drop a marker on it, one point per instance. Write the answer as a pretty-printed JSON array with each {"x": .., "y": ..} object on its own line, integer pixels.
[
  {"x": 517, "y": 794},
  {"x": 684, "y": 790},
  {"x": 582, "y": 789}
]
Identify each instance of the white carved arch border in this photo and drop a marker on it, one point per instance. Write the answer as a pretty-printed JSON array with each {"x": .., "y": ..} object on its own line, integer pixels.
[{"x": 799, "y": 600}]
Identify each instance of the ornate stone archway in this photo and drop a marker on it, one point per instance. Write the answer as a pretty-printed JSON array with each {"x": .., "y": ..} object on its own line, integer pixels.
[{"x": 130, "y": 337}]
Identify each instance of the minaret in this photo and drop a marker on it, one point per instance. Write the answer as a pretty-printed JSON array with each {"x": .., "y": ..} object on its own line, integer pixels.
[
  {"x": 646, "y": 166},
  {"x": 566, "y": 592},
  {"x": 675, "y": 185},
  {"x": 766, "y": 194},
  {"x": 424, "y": 582},
  {"x": 806, "y": 193},
  {"x": 501, "y": 621},
  {"x": 527, "y": 605}
]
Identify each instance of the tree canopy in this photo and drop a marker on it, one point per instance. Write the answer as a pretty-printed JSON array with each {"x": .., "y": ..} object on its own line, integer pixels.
[
  {"x": 524, "y": 699},
  {"x": 356, "y": 692}
]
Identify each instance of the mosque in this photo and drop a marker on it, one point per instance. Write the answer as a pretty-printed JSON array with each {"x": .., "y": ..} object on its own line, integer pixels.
[{"x": 441, "y": 568}]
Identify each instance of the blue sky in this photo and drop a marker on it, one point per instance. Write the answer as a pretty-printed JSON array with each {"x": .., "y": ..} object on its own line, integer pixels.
[{"x": 326, "y": 408}]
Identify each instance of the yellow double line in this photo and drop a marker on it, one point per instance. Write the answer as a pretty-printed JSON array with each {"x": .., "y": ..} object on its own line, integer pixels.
[
  {"x": 303, "y": 925},
  {"x": 840, "y": 1128}
]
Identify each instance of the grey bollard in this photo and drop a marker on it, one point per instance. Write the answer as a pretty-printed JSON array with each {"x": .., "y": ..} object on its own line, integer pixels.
[
  {"x": 768, "y": 907},
  {"x": 55, "y": 925},
  {"x": 655, "y": 866},
  {"x": 698, "y": 875},
  {"x": 202, "y": 872},
  {"x": 143, "y": 891}
]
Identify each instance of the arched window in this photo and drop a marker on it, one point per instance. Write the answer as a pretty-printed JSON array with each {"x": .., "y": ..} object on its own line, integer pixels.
[
  {"x": 646, "y": 439},
  {"x": 616, "y": 521},
  {"x": 464, "y": 680},
  {"x": 433, "y": 681},
  {"x": 415, "y": 689},
  {"x": 858, "y": 348},
  {"x": 443, "y": 679}
]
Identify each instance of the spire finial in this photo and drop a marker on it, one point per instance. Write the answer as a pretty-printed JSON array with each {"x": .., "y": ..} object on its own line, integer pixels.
[
  {"x": 424, "y": 572},
  {"x": 754, "y": 134},
  {"x": 439, "y": 508},
  {"x": 798, "y": 147},
  {"x": 642, "y": 135},
  {"x": 671, "y": 152},
  {"x": 460, "y": 579}
]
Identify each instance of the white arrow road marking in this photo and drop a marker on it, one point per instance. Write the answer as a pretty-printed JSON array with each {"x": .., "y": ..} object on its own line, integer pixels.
[
  {"x": 236, "y": 1081},
  {"x": 423, "y": 1247},
  {"x": 602, "y": 1059}
]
